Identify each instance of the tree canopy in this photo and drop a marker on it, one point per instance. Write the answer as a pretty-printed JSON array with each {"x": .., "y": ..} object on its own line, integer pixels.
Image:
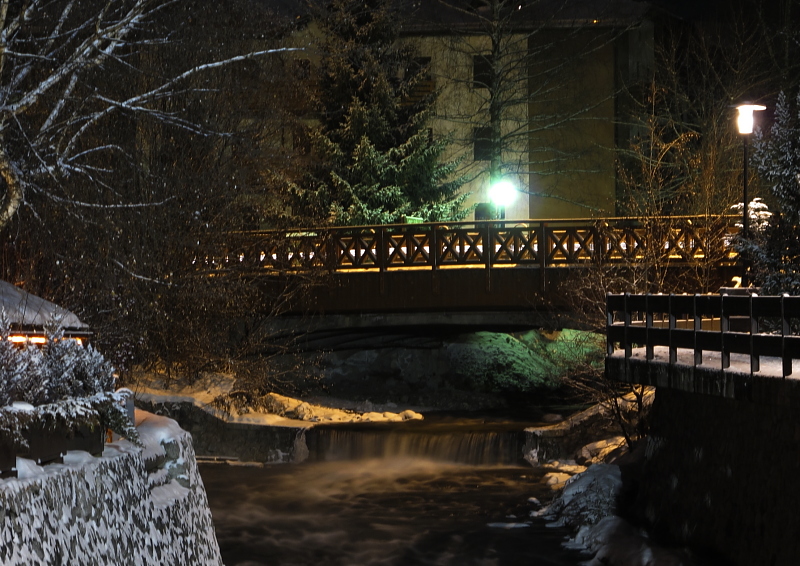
[
  {"x": 375, "y": 160},
  {"x": 131, "y": 143},
  {"x": 774, "y": 247}
]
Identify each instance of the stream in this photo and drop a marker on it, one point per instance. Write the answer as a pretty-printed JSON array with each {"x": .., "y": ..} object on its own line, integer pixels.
[{"x": 441, "y": 493}]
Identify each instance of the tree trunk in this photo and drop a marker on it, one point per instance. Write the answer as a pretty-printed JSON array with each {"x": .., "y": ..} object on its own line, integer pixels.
[{"x": 13, "y": 197}]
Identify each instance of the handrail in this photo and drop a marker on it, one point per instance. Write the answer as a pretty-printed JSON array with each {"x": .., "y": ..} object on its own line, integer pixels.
[
  {"x": 655, "y": 320},
  {"x": 486, "y": 244}
]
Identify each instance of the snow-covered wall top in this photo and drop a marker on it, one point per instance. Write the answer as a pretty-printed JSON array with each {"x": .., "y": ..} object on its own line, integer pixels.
[
  {"x": 23, "y": 308},
  {"x": 130, "y": 506}
]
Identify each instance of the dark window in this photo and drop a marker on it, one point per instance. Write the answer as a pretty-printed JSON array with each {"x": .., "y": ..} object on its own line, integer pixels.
[
  {"x": 481, "y": 71},
  {"x": 419, "y": 65},
  {"x": 418, "y": 73},
  {"x": 301, "y": 142},
  {"x": 301, "y": 69},
  {"x": 482, "y": 144}
]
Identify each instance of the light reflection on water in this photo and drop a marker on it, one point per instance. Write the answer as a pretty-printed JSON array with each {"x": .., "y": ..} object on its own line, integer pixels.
[{"x": 374, "y": 512}]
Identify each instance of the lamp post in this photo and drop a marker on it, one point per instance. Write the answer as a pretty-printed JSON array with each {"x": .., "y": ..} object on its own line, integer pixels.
[
  {"x": 502, "y": 193},
  {"x": 744, "y": 122}
]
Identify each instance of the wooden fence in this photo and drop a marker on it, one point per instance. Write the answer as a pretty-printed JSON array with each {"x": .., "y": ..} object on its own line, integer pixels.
[
  {"x": 680, "y": 241},
  {"x": 743, "y": 324}
]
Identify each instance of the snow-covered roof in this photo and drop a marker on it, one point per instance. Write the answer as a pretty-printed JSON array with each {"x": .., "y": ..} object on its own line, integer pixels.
[{"x": 27, "y": 310}]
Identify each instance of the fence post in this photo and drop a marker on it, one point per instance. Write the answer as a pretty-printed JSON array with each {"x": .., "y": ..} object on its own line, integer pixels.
[
  {"x": 673, "y": 350},
  {"x": 609, "y": 324},
  {"x": 541, "y": 252},
  {"x": 755, "y": 361},
  {"x": 488, "y": 248},
  {"x": 786, "y": 357},
  {"x": 698, "y": 326},
  {"x": 626, "y": 317},
  {"x": 434, "y": 251},
  {"x": 381, "y": 248},
  {"x": 724, "y": 327},
  {"x": 648, "y": 326}
]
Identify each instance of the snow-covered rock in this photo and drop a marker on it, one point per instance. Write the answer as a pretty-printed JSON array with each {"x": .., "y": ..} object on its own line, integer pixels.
[
  {"x": 556, "y": 480},
  {"x": 129, "y": 506},
  {"x": 615, "y": 542},
  {"x": 215, "y": 390},
  {"x": 587, "y": 497},
  {"x": 588, "y": 505},
  {"x": 599, "y": 451}
]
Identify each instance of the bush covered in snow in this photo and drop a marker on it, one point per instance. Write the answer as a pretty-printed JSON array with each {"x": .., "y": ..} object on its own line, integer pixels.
[{"x": 61, "y": 384}]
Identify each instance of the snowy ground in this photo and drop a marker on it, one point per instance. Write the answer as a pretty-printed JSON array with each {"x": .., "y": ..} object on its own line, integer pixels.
[
  {"x": 271, "y": 410},
  {"x": 740, "y": 363}
]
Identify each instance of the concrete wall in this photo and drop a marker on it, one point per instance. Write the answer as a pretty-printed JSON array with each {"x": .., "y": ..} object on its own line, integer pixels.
[
  {"x": 722, "y": 475},
  {"x": 218, "y": 438},
  {"x": 572, "y": 131},
  {"x": 130, "y": 506}
]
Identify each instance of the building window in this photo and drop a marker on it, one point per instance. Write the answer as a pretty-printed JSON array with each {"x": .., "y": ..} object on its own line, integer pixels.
[
  {"x": 482, "y": 144},
  {"x": 419, "y": 65},
  {"x": 481, "y": 71},
  {"x": 418, "y": 71}
]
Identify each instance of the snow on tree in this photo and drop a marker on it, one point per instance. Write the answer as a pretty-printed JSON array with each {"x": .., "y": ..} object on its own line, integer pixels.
[
  {"x": 775, "y": 250},
  {"x": 376, "y": 161},
  {"x": 68, "y": 75},
  {"x": 67, "y": 384},
  {"x": 120, "y": 133}
]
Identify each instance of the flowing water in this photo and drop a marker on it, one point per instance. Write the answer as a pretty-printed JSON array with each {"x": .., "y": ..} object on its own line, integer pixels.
[{"x": 394, "y": 495}]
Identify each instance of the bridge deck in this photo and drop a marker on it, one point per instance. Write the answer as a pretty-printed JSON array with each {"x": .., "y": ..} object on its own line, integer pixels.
[{"x": 475, "y": 265}]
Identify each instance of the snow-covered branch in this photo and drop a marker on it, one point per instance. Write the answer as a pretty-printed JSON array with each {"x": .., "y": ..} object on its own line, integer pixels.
[{"x": 68, "y": 68}]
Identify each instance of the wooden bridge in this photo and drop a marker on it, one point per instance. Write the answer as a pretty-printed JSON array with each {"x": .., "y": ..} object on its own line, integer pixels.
[{"x": 477, "y": 265}]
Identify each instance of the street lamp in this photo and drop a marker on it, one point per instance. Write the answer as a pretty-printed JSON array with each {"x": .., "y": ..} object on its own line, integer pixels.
[
  {"x": 744, "y": 122},
  {"x": 502, "y": 193}
]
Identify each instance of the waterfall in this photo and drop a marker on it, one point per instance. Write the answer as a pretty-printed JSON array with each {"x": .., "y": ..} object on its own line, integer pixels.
[{"x": 459, "y": 446}]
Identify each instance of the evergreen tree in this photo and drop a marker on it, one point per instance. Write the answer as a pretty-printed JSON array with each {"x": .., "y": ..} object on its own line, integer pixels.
[
  {"x": 375, "y": 160},
  {"x": 775, "y": 249}
]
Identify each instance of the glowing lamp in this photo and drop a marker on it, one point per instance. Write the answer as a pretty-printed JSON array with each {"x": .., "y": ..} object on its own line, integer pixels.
[
  {"x": 745, "y": 119},
  {"x": 502, "y": 193}
]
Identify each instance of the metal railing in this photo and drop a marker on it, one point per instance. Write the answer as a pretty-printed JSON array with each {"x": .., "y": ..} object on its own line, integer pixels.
[
  {"x": 742, "y": 324},
  {"x": 678, "y": 241}
]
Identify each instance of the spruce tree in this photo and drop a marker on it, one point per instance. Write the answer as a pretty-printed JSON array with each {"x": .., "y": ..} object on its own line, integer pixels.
[
  {"x": 375, "y": 161},
  {"x": 775, "y": 250}
]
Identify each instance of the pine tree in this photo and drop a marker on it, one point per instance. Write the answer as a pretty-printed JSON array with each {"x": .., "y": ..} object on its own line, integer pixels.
[
  {"x": 375, "y": 160},
  {"x": 775, "y": 250}
]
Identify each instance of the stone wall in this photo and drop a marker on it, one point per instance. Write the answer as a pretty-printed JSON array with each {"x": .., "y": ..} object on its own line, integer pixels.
[
  {"x": 129, "y": 506},
  {"x": 723, "y": 476},
  {"x": 247, "y": 442}
]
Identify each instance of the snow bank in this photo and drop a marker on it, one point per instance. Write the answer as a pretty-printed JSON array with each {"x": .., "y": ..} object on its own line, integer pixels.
[
  {"x": 588, "y": 504},
  {"x": 269, "y": 410},
  {"x": 129, "y": 506},
  {"x": 587, "y": 497}
]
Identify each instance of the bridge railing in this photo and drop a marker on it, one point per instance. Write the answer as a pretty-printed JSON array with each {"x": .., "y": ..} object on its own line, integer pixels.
[
  {"x": 486, "y": 244},
  {"x": 742, "y": 324}
]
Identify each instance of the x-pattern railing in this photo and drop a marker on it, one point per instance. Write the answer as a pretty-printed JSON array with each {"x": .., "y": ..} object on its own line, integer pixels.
[{"x": 539, "y": 243}]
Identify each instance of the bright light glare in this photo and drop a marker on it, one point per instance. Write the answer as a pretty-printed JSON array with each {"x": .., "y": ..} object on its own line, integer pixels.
[
  {"x": 502, "y": 193},
  {"x": 745, "y": 118},
  {"x": 38, "y": 340}
]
